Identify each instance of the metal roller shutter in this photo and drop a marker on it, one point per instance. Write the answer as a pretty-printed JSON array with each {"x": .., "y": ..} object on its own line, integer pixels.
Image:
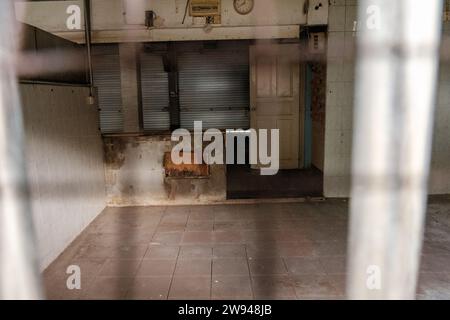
[
  {"x": 214, "y": 87},
  {"x": 106, "y": 69},
  {"x": 155, "y": 92}
]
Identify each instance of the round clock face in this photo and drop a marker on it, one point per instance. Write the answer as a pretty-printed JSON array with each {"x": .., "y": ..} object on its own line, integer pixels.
[{"x": 243, "y": 6}]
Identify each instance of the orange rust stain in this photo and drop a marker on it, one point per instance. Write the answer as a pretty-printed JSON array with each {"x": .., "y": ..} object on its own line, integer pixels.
[{"x": 192, "y": 170}]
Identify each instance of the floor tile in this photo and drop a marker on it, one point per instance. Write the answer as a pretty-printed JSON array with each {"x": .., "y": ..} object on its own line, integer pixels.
[
  {"x": 123, "y": 252},
  {"x": 167, "y": 238},
  {"x": 314, "y": 286},
  {"x": 198, "y": 237},
  {"x": 190, "y": 288},
  {"x": 227, "y": 237},
  {"x": 436, "y": 247},
  {"x": 150, "y": 268},
  {"x": 173, "y": 216},
  {"x": 228, "y": 225},
  {"x": 199, "y": 225},
  {"x": 108, "y": 288},
  {"x": 435, "y": 263},
  {"x": 334, "y": 264},
  {"x": 171, "y": 227},
  {"x": 229, "y": 251},
  {"x": 230, "y": 266},
  {"x": 331, "y": 248},
  {"x": 149, "y": 288},
  {"x": 162, "y": 252},
  {"x": 267, "y": 266},
  {"x": 273, "y": 287},
  {"x": 89, "y": 267},
  {"x": 434, "y": 286},
  {"x": 119, "y": 268},
  {"x": 127, "y": 237},
  {"x": 55, "y": 288},
  {"x": 304, "y": 265},
  {"x": 193, "y": 267},
  {"x": 201, "y": 213},
  {"x": 281, "y": 249},
  {"x": 231, "y": 287},
  {"x": 195, "y": 252}
]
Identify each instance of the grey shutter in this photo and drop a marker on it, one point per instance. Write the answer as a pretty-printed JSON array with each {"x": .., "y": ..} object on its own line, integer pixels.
[
  {"x": 214, "y": 87},
  {"x": 155, "y": 92},
  {"x": 106, "y": 69}
]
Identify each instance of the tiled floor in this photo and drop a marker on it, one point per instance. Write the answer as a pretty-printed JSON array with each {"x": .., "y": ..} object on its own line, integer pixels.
[{"x": 264, "y": 251}]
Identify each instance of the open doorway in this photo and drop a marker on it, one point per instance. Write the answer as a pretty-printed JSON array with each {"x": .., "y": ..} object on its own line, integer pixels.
[{"x": 298, "y": 84}]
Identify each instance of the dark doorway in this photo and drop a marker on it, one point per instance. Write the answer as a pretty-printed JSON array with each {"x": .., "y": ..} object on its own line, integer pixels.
[{"x": 245, "y": 183}]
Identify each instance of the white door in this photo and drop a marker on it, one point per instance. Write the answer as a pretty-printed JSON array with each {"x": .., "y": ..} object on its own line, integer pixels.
[{"x": 274, "y": 96}]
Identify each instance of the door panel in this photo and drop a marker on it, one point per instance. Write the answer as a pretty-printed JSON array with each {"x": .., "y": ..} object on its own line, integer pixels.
[
  {"x": 264, "y": 79},
  {"x": 274, "y": 96},
  {"x": 285, "y": 79}
]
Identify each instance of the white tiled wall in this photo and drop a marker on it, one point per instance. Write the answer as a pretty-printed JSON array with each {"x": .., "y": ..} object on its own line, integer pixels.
[
  {"x": 64, "y": 162},
  {"x": 339, "y": 108}
]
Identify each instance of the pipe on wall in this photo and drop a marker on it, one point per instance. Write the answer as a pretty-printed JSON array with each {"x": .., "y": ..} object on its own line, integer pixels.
[{"x": 87, "y": 33}]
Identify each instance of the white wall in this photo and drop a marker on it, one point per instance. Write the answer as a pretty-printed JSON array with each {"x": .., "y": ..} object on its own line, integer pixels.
[
  {"x": 65, "y": 164},
  {"x": 339, "y": 99},
  {"x": 119, "y": 14},
  {"x": 115, "y": 21},
  {"x": 339, "y": 108}
]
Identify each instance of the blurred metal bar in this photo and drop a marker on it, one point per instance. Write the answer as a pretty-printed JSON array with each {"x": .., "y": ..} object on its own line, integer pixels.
[
  {"x": 396, "y": 79},
  {"x": 87, "y": 33},
  {"x": 19, "y": 275}
]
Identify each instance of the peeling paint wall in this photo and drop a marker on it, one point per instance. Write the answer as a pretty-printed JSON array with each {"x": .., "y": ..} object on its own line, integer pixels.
[
  {"x": 64, "y": 163},
  {"x": 135, "y": 175}
]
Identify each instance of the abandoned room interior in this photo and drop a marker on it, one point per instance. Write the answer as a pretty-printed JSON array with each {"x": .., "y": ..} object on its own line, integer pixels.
[{"x": 105, "y": 85}]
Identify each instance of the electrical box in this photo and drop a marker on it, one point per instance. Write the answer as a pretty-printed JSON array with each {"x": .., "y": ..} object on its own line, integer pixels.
[
  {"x": 317, "y": 12},
  {"x": 204, "y": 8},
  {"x": 317, "y": 42},
  {"x": 209, "y": 10}
]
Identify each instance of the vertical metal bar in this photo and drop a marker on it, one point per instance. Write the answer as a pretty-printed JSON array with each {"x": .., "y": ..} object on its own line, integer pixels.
[
  {"x": 19, "y": 274},
  {"x": 87, "y": 33},
  {"x": 139, "y": 50},
  {"x": 308, "y": 120},
  {"x": 396, "y": 79},
  {"x": 174, "y": 98}
]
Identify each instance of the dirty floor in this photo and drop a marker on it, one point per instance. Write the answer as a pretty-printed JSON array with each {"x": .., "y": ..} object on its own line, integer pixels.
[{"x": 263, "y": 251}]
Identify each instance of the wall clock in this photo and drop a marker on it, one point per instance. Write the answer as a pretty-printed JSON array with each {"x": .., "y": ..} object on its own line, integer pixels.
[{"x": 243, "y": 6}]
